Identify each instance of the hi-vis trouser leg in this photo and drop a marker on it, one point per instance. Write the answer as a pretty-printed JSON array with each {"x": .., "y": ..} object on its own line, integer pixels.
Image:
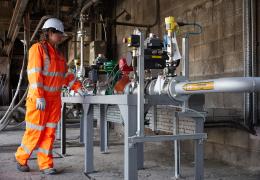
[
  {"x": 44, "y": 155},
  {"x": 40, "y": 133}
]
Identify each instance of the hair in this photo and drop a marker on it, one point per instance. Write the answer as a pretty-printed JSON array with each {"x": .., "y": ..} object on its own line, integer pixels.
[{"x": 44, "y": 35}]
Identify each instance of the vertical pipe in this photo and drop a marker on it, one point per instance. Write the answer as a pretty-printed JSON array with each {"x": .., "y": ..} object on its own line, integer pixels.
[
  {"x": 81, "y": 44},
  {"x": 140, "y": 95},
  {"x": 154, "y": 118},
  {"x": 185, "y": 63},
  {"x": 254, "y": 61},
  {"x": 247, "y": 56},
  {"x": 82, "y": 34},
  {"x": 75, "y": 45},
  {"x": 58, "y": 8},
  {"x": 177, "y": 154},
  {"x": 63, "y": 129},
  {"x": 185, "y": 56}
]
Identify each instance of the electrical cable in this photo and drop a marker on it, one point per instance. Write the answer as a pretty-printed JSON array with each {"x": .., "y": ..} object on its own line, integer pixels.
[
  {"x": 191, "y": 24},
  {"x": 16, "y": 106},
  {"x": 6, "y": 119}
]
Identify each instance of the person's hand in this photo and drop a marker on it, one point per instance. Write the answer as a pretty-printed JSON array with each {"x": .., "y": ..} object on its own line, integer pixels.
[{"x": 40, "y": 104}]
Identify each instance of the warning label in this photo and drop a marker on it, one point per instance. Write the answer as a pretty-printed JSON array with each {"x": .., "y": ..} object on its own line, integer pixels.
[{"x": 199, "y": 86}]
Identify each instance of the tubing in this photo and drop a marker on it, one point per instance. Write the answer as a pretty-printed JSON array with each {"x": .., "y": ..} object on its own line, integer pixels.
[
  {"x": 10, "y": 113},
  {"x": 5, "y": 120},
  {"x": 85, "y": 7},
  {"x": 39, "y": 25}
]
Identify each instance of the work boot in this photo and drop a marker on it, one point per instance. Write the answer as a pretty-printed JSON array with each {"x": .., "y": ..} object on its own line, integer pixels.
[
  {"x": 22, "y": 168},
  {"x": 49, "y": 171}
]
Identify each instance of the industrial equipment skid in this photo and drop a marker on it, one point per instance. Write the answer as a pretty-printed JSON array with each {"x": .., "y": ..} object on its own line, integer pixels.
[{"x": 133, "y": 144}]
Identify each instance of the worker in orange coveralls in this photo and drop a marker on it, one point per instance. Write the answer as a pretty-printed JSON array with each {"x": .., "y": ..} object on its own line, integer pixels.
[{"x": 47, "y": 73}]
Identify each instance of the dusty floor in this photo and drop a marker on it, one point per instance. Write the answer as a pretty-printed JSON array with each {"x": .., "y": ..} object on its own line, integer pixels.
[{"x": 158, "y": 163}]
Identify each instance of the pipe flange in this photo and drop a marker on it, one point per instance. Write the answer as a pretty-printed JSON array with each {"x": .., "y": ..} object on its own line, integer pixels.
[
  {"x": 150, "y": 87},
  {"x": 171, "y": 89},
  {"x": 81, "y": 33}
]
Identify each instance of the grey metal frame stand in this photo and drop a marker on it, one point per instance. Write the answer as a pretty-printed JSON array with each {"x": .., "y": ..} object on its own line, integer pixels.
[
  {"x": 61, "y": 130},
  {"x": 198, "y": 149},
  {"x": 133, "y": 155},
  {"x": 133, "y": 144}
]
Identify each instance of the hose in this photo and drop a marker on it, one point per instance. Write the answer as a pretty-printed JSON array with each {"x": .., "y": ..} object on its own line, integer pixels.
[
  {"x": 11, "y": 112},
  {"x": 5, "y": 120}
]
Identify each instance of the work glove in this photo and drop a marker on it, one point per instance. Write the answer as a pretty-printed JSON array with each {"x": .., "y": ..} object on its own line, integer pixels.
[
  {"x": 81, "y": 93},
  {"x": 40, "y": 104}
]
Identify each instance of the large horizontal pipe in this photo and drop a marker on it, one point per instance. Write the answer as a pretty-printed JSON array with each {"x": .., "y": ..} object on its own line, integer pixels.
[{"x": 234, "y": 84}]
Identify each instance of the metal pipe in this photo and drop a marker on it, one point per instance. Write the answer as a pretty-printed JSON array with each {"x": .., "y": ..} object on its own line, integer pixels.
[
  {"x": 247, "y": 56},
  {"x": 75, "y": 46},
  {"x": 234, "y": 84},
  {"x": 82, "y": 34},
  {"x": 185, "y": 57},
  {"x": 254, "y": 62},
  {"x": 39, "y": 25},
  {"x": 177, "y": 154},
  {"x": 88, "y": 5},
  {"x": 140, "y": 95},
  {"x": 185, "y": 64},
  {"x": 81, "y": 45}
]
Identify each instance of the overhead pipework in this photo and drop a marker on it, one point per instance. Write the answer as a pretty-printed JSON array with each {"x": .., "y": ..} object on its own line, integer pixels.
[{"x": 81, "y": 33}]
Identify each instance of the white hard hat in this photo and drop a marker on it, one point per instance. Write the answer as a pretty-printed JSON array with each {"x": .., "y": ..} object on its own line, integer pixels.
[{"x": 54, "y": 23}]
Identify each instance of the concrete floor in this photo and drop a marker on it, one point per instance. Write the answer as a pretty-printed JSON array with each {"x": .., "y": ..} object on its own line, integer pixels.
[{"x": 158, "y": 163}]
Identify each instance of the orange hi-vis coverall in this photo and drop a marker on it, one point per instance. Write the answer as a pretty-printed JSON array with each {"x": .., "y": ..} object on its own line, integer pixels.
[{"x": 47, "y": 73}]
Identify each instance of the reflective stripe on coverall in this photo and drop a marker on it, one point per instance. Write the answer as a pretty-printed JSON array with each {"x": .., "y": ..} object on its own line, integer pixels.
[{"x": 47, "y": 73}]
